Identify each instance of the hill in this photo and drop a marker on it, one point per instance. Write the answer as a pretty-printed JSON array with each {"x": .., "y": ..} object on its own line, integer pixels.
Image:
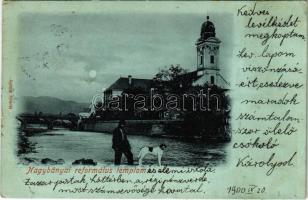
[{"x": 51, "y": 105}]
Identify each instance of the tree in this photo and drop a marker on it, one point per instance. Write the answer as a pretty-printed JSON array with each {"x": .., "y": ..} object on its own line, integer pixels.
[
  {"x": 168, "y": 79},
  {"x": 169, "y": 74}
]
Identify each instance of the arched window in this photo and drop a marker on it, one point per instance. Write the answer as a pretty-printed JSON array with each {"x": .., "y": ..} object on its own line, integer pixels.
[
  {"x": 212, "y": 59},
  {"x": 212, "y": 80}
]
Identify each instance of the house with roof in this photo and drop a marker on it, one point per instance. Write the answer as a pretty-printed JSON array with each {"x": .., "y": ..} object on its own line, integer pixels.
[{"x": 127, "y": 83}]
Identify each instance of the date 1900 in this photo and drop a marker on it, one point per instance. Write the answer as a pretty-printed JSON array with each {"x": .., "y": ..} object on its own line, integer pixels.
[{"x": 250, "y": 189}]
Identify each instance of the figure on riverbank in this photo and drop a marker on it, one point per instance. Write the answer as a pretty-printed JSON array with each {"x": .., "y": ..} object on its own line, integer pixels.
[{"x": 121, "y": 145}]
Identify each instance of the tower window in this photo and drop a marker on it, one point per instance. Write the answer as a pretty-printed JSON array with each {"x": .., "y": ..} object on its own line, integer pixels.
[
  {"x": 201, "y": 60},
  {"x": 212, "y": 80},
  {"x": 212, "y": 59}
]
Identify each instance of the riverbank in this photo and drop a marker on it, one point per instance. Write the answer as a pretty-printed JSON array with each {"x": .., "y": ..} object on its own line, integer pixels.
[
  {"x": 69, "y": 146},
  {"x": 175, "y": 129}
]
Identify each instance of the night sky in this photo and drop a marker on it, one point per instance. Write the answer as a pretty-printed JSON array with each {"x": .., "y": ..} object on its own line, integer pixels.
[{"x": 74, "y": 56}]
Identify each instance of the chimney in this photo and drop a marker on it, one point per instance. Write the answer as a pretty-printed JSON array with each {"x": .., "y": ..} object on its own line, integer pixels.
[{"x": 129, "y": 80}]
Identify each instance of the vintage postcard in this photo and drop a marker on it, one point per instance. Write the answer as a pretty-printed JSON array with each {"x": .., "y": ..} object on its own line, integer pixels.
[{"x": 154, "y": 99}]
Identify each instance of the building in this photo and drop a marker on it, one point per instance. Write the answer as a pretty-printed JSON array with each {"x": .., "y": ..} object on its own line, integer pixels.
[
  {"x": 207, "y": 46},
  {"x": 207, "y": 70},
  {"x": 126, "y": 83}
]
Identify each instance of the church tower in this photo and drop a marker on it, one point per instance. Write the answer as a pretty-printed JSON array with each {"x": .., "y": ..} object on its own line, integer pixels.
[{"x": 208, "y": 54}]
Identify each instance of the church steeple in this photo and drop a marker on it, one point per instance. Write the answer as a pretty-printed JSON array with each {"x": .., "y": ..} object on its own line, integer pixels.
[{"x": 208, "y": 51}]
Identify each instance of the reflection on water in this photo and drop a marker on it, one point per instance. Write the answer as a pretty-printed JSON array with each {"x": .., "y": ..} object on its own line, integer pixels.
[{"x": 73, "y": 145}]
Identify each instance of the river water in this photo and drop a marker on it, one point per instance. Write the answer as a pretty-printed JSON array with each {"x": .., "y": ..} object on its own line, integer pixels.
[{"x": 74, "y": 145}]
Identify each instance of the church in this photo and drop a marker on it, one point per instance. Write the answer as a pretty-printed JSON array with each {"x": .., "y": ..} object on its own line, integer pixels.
[{"x": 207, "y": 67}]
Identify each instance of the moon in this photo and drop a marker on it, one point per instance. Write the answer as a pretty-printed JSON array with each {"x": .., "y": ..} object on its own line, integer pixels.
[{"x": 92, "y": 74}]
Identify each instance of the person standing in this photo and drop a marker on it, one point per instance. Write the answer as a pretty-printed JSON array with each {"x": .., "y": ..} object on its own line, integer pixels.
[{"x": 121, "y": 145}]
